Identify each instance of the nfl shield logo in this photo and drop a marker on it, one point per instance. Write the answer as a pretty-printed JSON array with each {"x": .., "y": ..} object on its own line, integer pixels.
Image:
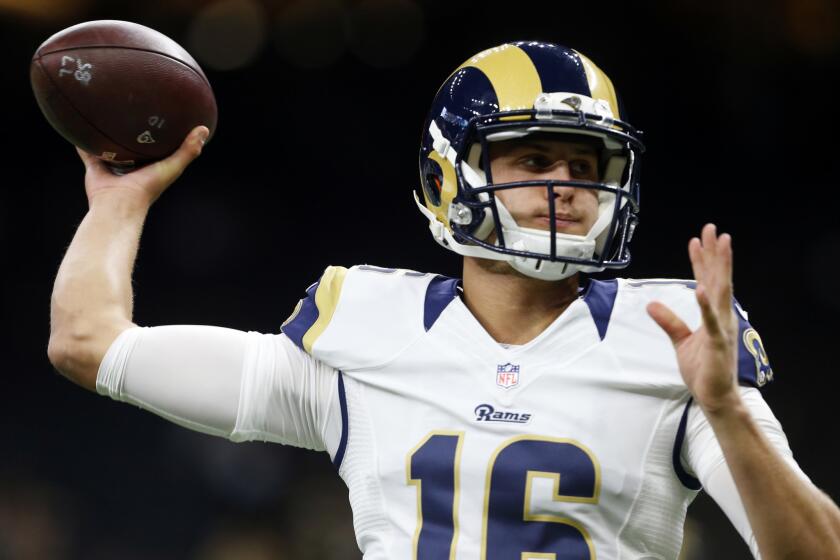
[{"x": 507, "y": 375}]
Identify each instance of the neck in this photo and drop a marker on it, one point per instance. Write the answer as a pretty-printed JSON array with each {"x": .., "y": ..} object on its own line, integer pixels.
[{"x": 514, "y": 308}]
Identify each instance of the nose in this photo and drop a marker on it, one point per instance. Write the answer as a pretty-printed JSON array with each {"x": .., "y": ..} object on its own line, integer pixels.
[{"x": 563, "y": 192}]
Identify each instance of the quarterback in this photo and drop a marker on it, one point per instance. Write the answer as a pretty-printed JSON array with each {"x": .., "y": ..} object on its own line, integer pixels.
[{"x": 520, "y": 412}]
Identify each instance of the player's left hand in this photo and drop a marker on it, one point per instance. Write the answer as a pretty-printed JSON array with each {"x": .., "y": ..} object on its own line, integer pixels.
[{"x": 708, "y": 356}]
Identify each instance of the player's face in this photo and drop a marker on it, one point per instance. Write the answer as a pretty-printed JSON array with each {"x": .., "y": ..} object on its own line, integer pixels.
[{"x": 541, "y": 157}]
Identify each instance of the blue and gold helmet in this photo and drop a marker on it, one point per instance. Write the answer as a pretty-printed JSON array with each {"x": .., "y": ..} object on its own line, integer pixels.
[{"x": 511, "y": 91}]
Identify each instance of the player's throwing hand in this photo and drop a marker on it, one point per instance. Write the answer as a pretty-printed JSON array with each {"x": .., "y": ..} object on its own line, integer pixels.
[
  {"x": 146, "y": 184},
  {"x": 708, "y": 356}
]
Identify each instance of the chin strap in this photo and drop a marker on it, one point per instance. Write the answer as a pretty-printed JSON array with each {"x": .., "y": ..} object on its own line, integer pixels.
[
  {"x": 440, "y": 144},
  {"x": 444, "y": 237},
  {"x": 601, "y": 223},
  {"x": 539, "y": 241}
]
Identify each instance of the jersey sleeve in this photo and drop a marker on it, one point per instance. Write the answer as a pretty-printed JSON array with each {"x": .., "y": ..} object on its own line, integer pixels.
[
  {"x": 703, "y": 457},
  {"x": 364, "y": 316},
  {"x": 288, "y": 397},
  {"x": 228, "y": 383}
]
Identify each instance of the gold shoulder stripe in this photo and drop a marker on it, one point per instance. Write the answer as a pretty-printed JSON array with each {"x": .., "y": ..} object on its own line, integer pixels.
[
  {"x": 512, "y": 75},
  {"x": 326, "y": 300},
  {"x": 600, "y": 84}
]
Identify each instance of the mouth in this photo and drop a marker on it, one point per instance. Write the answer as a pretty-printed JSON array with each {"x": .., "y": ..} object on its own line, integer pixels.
[{"x": 561, "y": 221}]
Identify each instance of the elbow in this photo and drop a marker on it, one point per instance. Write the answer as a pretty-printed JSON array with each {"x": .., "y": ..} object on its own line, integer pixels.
[
  {"x": 77, "y": 354},
  {"x": 57, "y": 354},
  {"x": 70, "y": 357}
]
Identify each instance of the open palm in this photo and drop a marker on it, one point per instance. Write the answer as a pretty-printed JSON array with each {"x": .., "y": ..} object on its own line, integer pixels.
[{"x": 708, "y": 356}]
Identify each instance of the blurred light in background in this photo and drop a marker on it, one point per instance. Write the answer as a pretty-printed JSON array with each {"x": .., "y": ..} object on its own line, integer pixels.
[
  {"x": 813, "y": 25},
  {"x": 37, "y": 520},
  {"x": 311, "y": 33},
  {"x": 48, "y": 10},
  {"x": 228, "y": 34},
  {"x": 242, "y": 542},
  {"x": 385, "y": 33}
]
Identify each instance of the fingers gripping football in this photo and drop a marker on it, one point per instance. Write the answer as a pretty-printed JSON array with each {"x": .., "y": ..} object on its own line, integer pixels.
[{"x": 146, "y": 184}]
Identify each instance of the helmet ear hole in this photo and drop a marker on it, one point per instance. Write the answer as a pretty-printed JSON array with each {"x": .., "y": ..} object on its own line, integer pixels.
[{"x": 432, "y": 181}]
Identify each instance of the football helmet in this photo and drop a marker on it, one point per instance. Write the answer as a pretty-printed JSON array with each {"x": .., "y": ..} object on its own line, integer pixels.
[{"x": 512, "y": 91}]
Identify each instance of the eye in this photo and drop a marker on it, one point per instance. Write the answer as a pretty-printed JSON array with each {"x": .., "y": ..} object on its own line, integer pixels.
[
  {"x": 536, "y": 161},
  {"x": 582, "y": 169}
]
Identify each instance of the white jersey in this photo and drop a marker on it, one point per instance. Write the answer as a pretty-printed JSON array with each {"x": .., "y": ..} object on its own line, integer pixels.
[{"x": 455, "y": 447}]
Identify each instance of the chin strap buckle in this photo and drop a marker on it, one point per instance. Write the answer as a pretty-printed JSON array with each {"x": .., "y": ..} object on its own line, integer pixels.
[{"x": 435, "y": 226}]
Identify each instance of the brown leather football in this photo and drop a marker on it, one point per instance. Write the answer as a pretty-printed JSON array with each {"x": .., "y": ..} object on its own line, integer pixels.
[{"x": 121, "y": 91}]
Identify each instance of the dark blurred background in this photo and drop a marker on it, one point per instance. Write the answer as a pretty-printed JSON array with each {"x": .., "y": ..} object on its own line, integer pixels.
[{"x": 320, "y": 108}]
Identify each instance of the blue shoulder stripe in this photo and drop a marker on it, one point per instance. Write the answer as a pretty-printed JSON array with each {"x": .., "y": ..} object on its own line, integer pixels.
[
  {"x": 440, "y": 292},
  {"x": 600, "y": 297},
  {"x": 753, "y": 365},
  {"x": 302, "y": 318}
]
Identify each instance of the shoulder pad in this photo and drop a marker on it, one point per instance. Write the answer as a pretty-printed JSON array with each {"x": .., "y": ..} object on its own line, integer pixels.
[
  {"x": 753, "y": 365},
  {"x": 365, "y": 315}
]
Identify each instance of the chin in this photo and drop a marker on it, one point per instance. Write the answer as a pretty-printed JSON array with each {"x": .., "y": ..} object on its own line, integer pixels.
[
  {"x": 503, "y": 268},
  {"x": 496, "y": 267}
]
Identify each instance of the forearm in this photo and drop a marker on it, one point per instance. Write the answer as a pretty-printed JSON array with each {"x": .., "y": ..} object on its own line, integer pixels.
[
  {"x": 92, "y": 296},
  {"x": 790, "y": 518}
]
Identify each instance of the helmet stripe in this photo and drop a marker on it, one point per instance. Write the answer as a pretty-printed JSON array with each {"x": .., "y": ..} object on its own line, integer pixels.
[
  {"x": 600, "y": 84},
  {"x": 512, "y": 74},
  {"x": 560, "y": 69},
  {"x": 448, "y": 191}
]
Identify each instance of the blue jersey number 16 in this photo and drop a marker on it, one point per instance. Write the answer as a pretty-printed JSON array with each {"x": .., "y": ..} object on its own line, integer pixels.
[{"x": 511, "y": 531}]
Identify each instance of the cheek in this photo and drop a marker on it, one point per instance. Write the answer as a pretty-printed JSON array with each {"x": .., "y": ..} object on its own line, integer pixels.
[
  {"x": 590, "y": 206},
  {"x": 521, "y": 198},
  {"x": 510, "y": 201}
]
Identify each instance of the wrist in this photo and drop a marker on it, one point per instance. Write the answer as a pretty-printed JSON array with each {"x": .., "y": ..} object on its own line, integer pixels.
[
  {"x": 120, "y": 202},
  {"x": 727, "y": 405}
]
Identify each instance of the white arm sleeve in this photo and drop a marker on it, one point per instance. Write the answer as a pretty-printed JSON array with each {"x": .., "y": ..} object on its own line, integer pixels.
[
  {"x": 702, "y": 456},
  {"x": 238, "y": 385}
]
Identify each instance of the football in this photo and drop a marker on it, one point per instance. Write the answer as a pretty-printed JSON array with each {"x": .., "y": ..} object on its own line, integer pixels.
[{"x": 121, "y": 91}]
